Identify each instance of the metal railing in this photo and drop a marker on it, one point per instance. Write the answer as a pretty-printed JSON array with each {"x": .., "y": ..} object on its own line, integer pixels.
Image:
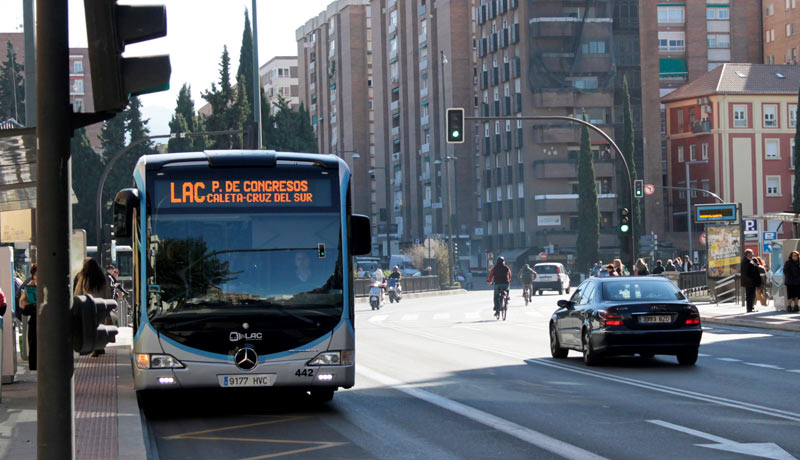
[
  {"x": 408, "y": 283},
  {"x": 726, "y": 289}
]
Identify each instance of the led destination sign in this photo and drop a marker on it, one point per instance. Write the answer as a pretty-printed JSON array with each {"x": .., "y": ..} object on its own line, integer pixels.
[
  {"x": 716, "y": 213},
  {"x": 225, "y": 192}
]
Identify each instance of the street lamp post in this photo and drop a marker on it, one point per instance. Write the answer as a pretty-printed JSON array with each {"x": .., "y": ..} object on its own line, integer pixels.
[
  {"x": 371, "y": 172},
  {"x": 446, "y": 184},
  {"x": 689, "y": 203}
]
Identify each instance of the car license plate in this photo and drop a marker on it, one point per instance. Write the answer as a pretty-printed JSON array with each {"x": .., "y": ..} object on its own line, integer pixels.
[
  {"x": 252, "y": 380},
  {"x": 655, "y": 319}
]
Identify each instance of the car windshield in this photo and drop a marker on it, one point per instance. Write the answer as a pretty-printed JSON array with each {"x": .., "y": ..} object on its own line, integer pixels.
[
  {"x": 545, "y": 269},
  {"x": 636, "y": 289}
]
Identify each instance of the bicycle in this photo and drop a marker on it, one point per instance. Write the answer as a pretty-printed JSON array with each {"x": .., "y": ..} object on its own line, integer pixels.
[
  {"x": 503, "y": 305},
  {"x": 526, "y": 294}
]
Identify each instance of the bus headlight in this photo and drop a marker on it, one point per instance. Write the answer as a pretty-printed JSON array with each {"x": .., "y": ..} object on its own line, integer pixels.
[
  {"x": 155, "y": 361},
  {"x": 328, "y": 358}
]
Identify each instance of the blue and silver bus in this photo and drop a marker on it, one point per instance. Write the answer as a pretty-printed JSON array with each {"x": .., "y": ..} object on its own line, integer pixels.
[{"x": 242, "y": 271}]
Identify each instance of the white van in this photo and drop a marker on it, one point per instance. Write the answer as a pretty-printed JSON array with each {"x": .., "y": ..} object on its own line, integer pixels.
[
  {"x": 550, "y": 276},
  {"x": 404, "y": 262}
]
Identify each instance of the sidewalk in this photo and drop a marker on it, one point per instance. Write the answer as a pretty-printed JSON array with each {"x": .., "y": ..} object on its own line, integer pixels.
[
  {"x": 107, "y": 421},
  {"x": 732, "y": 314}
]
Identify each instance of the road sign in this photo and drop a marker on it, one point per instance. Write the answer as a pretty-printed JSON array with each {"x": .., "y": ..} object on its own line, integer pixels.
[
  {"x": 703, "y": 238},
  {"x": 750, "y": 229},
  {"x": 649, "y": 189},
  {"x": 769, "y": 236},
  {"x": 542, "y": 255},
  {"x": 767, "y": 249}
]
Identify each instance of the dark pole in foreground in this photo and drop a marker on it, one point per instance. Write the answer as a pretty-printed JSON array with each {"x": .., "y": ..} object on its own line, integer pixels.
[{"x": 54, "y": 341}]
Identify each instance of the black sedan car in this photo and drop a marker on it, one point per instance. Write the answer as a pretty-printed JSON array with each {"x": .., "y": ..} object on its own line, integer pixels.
[{"x": 624, "y": 316}]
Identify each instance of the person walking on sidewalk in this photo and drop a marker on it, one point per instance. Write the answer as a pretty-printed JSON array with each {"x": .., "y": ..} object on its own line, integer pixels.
[
  {"x": 791, "y": 278},
  {"x": 751, "y": 279},
  {"x": 27, "y": 306},
  {"x": 762, "y": 292},
  {"x": 641, "y": 268},
  {"x": 659, "y": 268}
]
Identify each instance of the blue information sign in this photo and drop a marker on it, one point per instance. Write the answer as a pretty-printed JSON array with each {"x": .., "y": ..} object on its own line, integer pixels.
[{"x": 725, "y": 212}]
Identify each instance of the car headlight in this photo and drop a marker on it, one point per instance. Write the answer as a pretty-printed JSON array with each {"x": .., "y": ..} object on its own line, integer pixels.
[{"x": 157, "y": 361}]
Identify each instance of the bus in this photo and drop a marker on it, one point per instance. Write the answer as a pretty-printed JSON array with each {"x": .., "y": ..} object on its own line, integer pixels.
[{"x": 242, "y": 271}]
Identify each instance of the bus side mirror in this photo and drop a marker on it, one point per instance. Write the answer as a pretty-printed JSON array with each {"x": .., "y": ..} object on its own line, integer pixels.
[
  {"x": 360, "y": 237},
  {"x": 124, "y": 204}
]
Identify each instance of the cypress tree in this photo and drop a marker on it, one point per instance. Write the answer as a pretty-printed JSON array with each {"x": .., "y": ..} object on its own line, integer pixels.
[
  {"x": 246, "y": 59},
  {"x": 185, "y": 107},
  {"x": 112, "y": 140},
  {"x": 183, "y": 120},
  {"x": 588, "y": 244},
  {"x": 179, "y": 144},
  {"x": 12, "y": 87},
  {"x": 239, "y": 112},
  {"x": 87, "y": 165},
  {"x": 221, "y": 99},
  {"x": 625, "y": 192}
]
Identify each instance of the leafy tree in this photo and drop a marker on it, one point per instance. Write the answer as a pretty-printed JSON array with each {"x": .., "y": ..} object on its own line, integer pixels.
[
  {"x": 624, "y": 191},
  {"x": 12, "y": 87},
  {"x": 112, "y": 140},
  {"x": 179, "y": 144},
  {"x": 221, "y": 99},
  {"x": 246, "y": 60},
  {"x": 267, "y": 122},
  {"x": 292, "y": 130},
  {"x": 587, "y": 246},
  {"x": 306, "y": 132},
  {"x": 87, "y": 165}
]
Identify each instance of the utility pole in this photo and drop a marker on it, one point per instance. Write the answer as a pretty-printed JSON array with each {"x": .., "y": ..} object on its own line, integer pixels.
[
  {"x": 446, "y": 184},
  {"x": 256, "y": 80},
  {"x": 55, "y": 398}
]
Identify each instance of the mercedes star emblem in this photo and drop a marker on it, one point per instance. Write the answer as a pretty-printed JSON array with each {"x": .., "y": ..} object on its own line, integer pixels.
[{"x": 246, "y": 358}]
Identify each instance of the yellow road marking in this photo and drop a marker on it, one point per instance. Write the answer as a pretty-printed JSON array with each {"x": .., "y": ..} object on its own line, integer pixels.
[{"x": 314, "y": 445}]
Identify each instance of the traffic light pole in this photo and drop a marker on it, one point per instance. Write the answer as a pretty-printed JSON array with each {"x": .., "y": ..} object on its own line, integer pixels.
[
  {"x": 55, "y": 401},
  {"x": 598, "y": 131}
]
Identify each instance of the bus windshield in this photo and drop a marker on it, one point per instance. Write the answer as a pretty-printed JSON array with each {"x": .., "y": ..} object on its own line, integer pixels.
[{"x": 244, "y": 263}]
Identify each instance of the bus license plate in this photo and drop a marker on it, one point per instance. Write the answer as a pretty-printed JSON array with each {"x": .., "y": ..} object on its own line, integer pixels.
[
  {"x": 655, "y": 319},
  {"x": 253, "y": 380}
]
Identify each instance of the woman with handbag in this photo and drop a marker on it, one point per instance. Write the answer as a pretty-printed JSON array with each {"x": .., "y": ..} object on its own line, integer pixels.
[{"x": 27, "y": 306}]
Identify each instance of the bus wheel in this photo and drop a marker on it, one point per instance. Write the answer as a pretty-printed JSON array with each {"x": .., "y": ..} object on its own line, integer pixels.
[{"x": 322, "y": 395}]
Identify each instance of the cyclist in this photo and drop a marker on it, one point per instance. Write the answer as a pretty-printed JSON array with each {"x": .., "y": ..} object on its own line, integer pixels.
[
  {"x": 500, "y": 276},
  {"x": 526, "y": 276}
]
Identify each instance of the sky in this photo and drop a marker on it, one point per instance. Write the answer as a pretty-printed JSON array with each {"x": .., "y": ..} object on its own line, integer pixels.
[{"x": 197, "y": 30}]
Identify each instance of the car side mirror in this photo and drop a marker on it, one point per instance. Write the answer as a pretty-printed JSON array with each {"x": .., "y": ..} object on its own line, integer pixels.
[{"x": 563, "y": 303}]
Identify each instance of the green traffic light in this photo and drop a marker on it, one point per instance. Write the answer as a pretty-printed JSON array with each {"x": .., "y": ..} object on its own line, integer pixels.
[
  {"x": 624, "y": 228},
  {"x": 455, "y": 134}
]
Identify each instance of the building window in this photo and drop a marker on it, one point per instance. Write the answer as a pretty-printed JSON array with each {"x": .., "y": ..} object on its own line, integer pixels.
[
  {"x": 693, "y": 152},
  {"x": 704, "y": 151},
  {"x": 77, "y": 66},
  {"x": 680, "y": 154},
  {"x": 670, "y": 14},
  {"x": 719, "y": 40},
  {"x": 705, "y": 185},
  {"x": 77, "y": 86},
  {"x": 740, "y": 116},
  {"x": 773, "y": 185},
  {"x": 772, "y": 149},
  {"x": 594, "y": 47},
  {"x": 770, "y": 116},
  {"x": 717, "y": 13},
  {"x": 78, "y": 105},
  {"x": 671, "y": 42}
]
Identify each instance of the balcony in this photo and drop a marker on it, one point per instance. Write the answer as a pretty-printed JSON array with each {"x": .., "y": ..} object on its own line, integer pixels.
[
  {"x": 568, "y": 169},
  {"x": 423, "y": 120},
  {"x": 425, "y": 148},
  {"x": 392, "y": 28},
  {"x": 396, "y": 157},
  {"x": 568, "y": 203},
  {"x": 312, "y": 65},
  {"x": 426, "y": 203},
  {"x": 672, "y": 49},
  {"x": 702, "y": 126},
  {"x": 423, "y": 92},
  {"x": 425, "y": 176},
  {"x": 312, "y": 87},
  {"x": 422, "y": 38},
  {"x": 394, "y": 105},
  {"x": 423, "y": 64},
  {"x": 565, "y": 134}
]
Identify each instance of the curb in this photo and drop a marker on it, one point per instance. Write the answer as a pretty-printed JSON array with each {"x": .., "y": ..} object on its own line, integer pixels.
[
  {"x": 749, "y": 323},
  {"x": 415, "y": 295},
  {"x": 131, "y": 440}
]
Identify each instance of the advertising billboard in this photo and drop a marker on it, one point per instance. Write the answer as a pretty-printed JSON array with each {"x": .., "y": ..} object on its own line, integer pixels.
[{"x": 724, "y": 250}]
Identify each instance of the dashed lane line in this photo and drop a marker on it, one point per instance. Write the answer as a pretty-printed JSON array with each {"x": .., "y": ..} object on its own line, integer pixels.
[
  {"x": 520, "y": 432},
  {"x": 766, "y": 366},
  {"x": 410, "y": 317},
  {"x": 730, "y": 360},
  {"x": 439, "y": 316},
  {"x": 378, "y": 318}
]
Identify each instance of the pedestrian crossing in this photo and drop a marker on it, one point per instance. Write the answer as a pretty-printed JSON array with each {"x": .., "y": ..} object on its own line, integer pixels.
[{"x": 458, "y": 316}]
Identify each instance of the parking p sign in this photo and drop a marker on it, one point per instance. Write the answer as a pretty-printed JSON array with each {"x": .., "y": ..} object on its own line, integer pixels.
[{"x": 750, "y": 229}]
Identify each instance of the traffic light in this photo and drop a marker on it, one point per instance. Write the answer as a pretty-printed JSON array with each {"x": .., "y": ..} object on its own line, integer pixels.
[
  {"x": 455, "y": 250},
  {"x": 624, "y": 220},
  {"x": 638, "y": 188},
  {"x": 88, "y": 331},
  {"x": 455, "y": 126},
  {"x": 106, "y": 255},
  {"x": 109, "y": 27}
]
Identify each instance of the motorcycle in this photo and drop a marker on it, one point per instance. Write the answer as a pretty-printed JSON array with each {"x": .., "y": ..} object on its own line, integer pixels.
[
  {"x": 395, "y": 292},
  {"x": 376, "y": 295}
]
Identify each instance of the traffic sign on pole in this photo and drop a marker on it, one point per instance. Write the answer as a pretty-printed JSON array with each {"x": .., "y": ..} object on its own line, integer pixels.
[{"x": 649, "y": 189}]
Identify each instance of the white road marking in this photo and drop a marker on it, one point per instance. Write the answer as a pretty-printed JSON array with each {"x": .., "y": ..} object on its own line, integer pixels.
[
  {"x": 755, "y": 449},
  {"x": 767, "y": 366},
  {"x": 797, "y": 371},
  {"x": 730, "y": 360},
  {"x": 755, "y": 408},
  {"x": 462, "y": 326},
  {"x": 411, "y": 317},
  {"x": 703, "y": 355},
  {"x": 441, "y": 316},
  {"x": 520, "y": 432},
  {"x": 378, "y": 318}
]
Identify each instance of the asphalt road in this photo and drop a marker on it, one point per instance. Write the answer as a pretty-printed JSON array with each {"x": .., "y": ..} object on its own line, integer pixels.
[{"x": 440, "y": 378}]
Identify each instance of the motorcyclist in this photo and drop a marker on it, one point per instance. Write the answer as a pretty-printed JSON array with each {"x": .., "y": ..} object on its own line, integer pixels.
[
  {"x": 501, "y": 277},
  {"x": 377, "y": 277},
  {"x": 394, "y": 279}
]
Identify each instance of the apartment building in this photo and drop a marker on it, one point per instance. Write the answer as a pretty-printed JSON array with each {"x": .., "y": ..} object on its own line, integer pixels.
[
  {"x": 781, "y": 38},
  {"x": 680, "y": 42},
  {"x": 334, "y": 75},
  {"x": 279, "y": 79},
  {"x": 741, "y": 120}
]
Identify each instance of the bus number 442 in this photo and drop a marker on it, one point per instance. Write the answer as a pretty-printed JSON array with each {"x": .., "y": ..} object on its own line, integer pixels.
[{"x": 304, "y": 373}]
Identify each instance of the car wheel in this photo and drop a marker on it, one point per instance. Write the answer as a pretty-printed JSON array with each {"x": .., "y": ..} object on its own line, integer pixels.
[
  {"x": 687, "y": 358},
  {"x": 590, "y": 356},
  {"x": 555, "y": 346}
]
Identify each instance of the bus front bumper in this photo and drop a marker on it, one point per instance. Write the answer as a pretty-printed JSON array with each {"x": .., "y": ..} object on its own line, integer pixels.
[{"x": 202, "y": 374}]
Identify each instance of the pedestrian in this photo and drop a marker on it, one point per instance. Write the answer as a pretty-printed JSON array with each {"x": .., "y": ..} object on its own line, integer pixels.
[
  {"x": 27, "y": 306},
  {"x": 791, "y": 278},
  {"x": 619, "y": 268},
  {"x": 3, "y": 305},
  {"x": 751, "y": 279},
  {"x": 91, "y": 280},
  {"x": 670, "y": 266},
  {"x": 687, "y": 263},
  {"x": 611, "y": 270},
  {"x": 678, "y": 263},
  {"x": 762, "y": 294},
  {"x": 641, "y": 268},
  {"x": 659, "y": 268}
]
